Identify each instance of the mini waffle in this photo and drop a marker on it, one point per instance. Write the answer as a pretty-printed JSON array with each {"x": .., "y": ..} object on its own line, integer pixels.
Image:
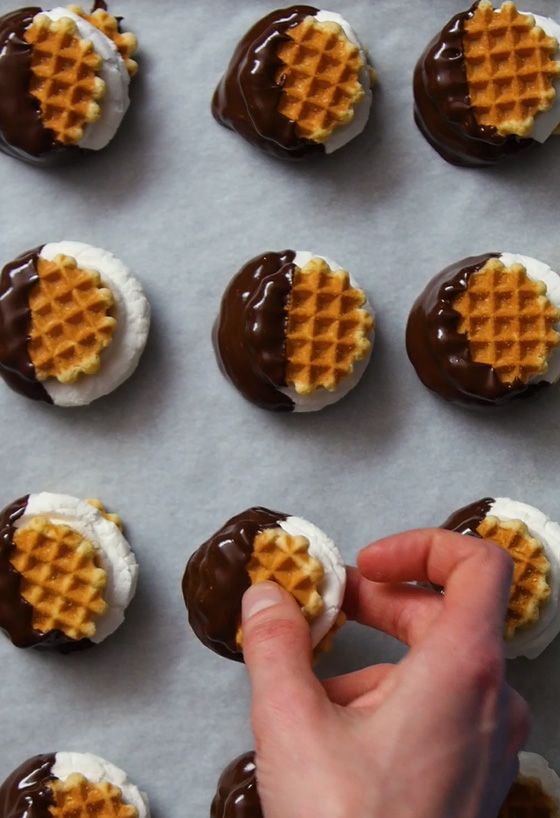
[
  {"x": 320, "y": 78},
  {"x": 61, "y": 577},
  {"x": 63, "y": 77},
  {"x": 327, "y": 328},
  {"x": 527, "y": 799},
  {"x": 530, "y": 589},
  {"x": 508, "y": 320},
  {"x": 76, "y": 797},
  {"x": 279, "y": 557},
  {"x": 125, "y": 42},
  {"x": 70, "y": 325},
  {"x": 510, "y": 70}
]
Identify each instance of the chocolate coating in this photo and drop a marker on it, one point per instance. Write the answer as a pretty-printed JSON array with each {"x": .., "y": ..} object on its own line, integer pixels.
[
  {"x": 216, "y": 578},
  {"x": 467, "y": 519},
  {"x": 441, "y": 355},
  {"x": 25, "y": 792},
  {"x": 16, "y": 368},
  {"x": 16, "y": 614},
  {"x": 442, "y": 108},
  {"x": 247, "y": 98},
  {"x": 249, "y": 333},
  {"x": 237, "y": 795}
]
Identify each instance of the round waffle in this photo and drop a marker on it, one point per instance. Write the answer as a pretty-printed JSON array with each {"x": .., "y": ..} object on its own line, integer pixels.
[{"x": 76, "y": 797}]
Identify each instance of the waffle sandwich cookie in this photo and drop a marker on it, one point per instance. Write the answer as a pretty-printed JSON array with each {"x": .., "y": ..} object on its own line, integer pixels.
[
  {"x": 536, "y": 791},
  {"x": 487, "y": 85},
  {"x": 533, "y": 542},
  {"x": 255, "y": 546},
  {"x": 298, "y": 83},
  {"x": 294, "y": 332},
  {"x": 67, "y": 573},
  {"x": 73, "y": 323},
  {"x": 64, "y": 80},
  {"x": 71, "y": 785},
  {"x": 236, "y": 794},
  {"x": 486, "y": 330}
]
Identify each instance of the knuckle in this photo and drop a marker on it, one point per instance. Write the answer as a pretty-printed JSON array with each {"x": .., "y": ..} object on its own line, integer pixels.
[{"x": 486, "y": 668}]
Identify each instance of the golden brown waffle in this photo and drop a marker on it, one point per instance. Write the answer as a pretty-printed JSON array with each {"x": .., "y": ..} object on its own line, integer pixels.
[
  {"x": 508, "y": 320},
  {"x": 61, "y": 577},
  {"x": 125, "y": 42},
  {"x": 279, "y": 557},
  {"x": 527, "y": 799},
  {"x": 510, "y": 70},
  {"x": 320, "y": 78},
  {"x": 113, "y": 518},
  {"x": 327, "y": 328},
  {"x": 63, "y": 77},
  {"x": 76, "y": 797},
  {"x": 70, "y": 325},
  {"x": 529, "y": 587}
]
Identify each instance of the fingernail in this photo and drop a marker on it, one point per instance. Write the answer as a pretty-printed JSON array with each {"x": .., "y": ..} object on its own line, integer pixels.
[{"x": 259, "y": 597}]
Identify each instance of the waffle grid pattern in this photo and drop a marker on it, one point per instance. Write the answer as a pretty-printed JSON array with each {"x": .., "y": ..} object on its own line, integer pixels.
[
  {"x": 327, "y": 329},
  {"x": 76, "y": 797},
  {"x": 63, "y": 77},
  {"x": 510, "y": 70},
  {"x": 125, "y": 42},
  {"x": 70, "y": 325},
  {"x": 320, "y": 78},
  {"x": 61, "y": 578},
  {"x": 509, "y": 321},
  {"x": 529, "y": 588}
]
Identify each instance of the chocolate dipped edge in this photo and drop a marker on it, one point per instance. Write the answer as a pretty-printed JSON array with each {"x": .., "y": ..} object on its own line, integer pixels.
[
  {"x": 441, "y": 355},
  {"x": 442, "y": 107},
  {"x": 237, "y": 795},
  {"x": 16, "y": 368},
  {"x": 467, "y": 519},
  {"x": 16, "y": 615},
  {"x": 216, "y": 578},
  {"x": 247, "y": 97},
  {"x": 249, "y": 332},
  {"x": 26, "y": 793}
]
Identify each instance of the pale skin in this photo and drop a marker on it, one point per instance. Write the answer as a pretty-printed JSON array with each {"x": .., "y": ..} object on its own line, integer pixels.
[{"x": 435, "y": 735}]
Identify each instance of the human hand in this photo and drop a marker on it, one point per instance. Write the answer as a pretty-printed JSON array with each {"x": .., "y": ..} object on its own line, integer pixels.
[{"x": 434, "y": 736}]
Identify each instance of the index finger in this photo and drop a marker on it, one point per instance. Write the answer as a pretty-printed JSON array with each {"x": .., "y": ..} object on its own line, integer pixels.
[{"x": 475, "y": 573}]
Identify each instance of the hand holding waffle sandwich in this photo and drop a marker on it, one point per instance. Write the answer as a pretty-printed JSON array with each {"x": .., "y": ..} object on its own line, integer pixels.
[{"x": 442, "y": 726}]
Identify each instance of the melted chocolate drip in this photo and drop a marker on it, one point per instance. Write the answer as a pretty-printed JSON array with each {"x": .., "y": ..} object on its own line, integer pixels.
[
  {"x": 237, "y": 795},
  {"x": 441, "y": 355},
  {"x": 21, "y": 131},
  {"x": 467, "y": 519},
  {"x": 249, "y": 333},
  {"x": 442, "y": 107},
  {"x": 26, "y": 792},
  {"x": 247, "y": 98},
  {"x": 16, "y": 368},
  {"x": 216, "y": 578},
  {"x": 16, "y": 615}
]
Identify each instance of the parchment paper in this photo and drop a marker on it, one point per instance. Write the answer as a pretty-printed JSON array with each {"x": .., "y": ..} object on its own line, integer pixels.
[{"x": 176, "y": 450}]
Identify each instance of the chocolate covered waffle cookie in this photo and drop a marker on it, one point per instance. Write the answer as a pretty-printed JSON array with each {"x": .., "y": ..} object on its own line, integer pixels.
[
  {"x": 536, "y": 791},
  {"x": 294, "y": 332},
  {"x": 67, "y": 573},
  {"x": 298, "y": 83},
  {"x": 255, "y": 546},
  {"x": 487, "y": 85},
  {"x": 486, "y": 330},
  {"x": 64, "y": 80},
  {"x": 533, "y": 542},
  {"x": 236, "y": 794}
]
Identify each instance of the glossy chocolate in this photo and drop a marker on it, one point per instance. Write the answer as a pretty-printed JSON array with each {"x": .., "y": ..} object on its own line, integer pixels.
[
  {"x": 237, "y": 795},
  {"x": 26, "y": 793},
  {"x": 442, "y": 107},
  {"x": 16, "y": 615},
  {"x": 249, "y": 333},
  {"x": 247, "y": 98},
  {"x": 16, "y": 281},
  {"x": 441, "y": 355},
  {"x": 216, "y": 578},
  {"x": 21, "y": 131},
  {"x": 467, "y": 519}
]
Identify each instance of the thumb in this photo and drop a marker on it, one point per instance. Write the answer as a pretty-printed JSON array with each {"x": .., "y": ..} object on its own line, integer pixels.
[{"x": 277, "y": 651}]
